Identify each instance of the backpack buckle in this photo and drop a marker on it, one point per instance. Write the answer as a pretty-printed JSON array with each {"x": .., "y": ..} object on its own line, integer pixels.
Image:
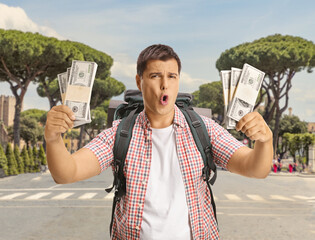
[
  {"x": 196, "y": 123},
  {"x": 206, "y": 173}
]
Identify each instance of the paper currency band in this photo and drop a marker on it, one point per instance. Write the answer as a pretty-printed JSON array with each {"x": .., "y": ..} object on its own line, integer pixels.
[{"x": 78, "y": 93}]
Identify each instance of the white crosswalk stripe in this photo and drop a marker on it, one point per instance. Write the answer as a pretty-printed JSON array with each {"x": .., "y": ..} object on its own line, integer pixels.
[
  {"x": 52, "y": 195},
  {"x": 233, "y": 197},
  {"x": 282, "y": 198},
  {"x": 11, "y": 196},
  {"x": 109, "y": 196},
  {"x": 38, "y": 195},
  {"x": 62, "y": 196},
  {"x": 87, "y": 195},
  {"x": 255, "y": 197}
]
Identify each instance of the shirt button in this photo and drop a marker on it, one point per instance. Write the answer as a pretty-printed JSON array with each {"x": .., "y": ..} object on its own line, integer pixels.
[
  {"x": 148, "y": 137},
  {"x": 147, "y": 159},
  {"x": 138, "y": 228},
  {"x": 140, "y": 206},
  {"x": 143, "y": 182}
]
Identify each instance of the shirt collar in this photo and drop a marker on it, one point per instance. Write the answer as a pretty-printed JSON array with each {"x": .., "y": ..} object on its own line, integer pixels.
[{"x": 179, "y": 118}]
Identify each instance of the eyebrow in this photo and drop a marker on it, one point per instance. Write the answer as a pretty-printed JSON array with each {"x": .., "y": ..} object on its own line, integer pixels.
[{"x": 159, "y": 73}]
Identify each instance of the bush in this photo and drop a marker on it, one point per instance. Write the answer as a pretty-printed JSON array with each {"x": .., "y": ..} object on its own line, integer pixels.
[
  {"x": 3, "y": 161},
  {"x": 25, "y": 157},
  {"x": 36, "y": 159},
  {"x": 19, "y": 160},
  {"x": 12, "y": 165}
]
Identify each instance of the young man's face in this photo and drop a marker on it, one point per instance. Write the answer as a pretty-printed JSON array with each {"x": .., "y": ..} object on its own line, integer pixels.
[{"x": 159, "y": 86}]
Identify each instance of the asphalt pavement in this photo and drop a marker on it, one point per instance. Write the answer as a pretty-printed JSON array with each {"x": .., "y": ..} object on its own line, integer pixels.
[{"x": 34, "y": 207}]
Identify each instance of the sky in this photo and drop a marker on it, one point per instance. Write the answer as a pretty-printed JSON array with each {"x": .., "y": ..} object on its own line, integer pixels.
[{"x": 198, "y": 30}]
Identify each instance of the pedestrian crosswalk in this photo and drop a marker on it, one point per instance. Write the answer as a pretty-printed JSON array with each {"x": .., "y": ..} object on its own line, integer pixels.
[{"x": 102, "y": 195}]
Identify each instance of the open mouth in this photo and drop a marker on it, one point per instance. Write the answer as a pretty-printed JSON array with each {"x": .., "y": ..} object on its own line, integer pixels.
[{"x": 164, "y": 99}]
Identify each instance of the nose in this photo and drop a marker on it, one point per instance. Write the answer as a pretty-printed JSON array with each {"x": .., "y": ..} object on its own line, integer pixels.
[{"x": 164, "y": 83}]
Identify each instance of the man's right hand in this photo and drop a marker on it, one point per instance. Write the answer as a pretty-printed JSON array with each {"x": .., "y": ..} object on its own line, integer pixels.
[{"x": 59, "y": 120}]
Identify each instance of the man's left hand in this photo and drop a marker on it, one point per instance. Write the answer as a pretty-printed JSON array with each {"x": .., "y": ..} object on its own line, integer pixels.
[{"x": 254, "y": 127}]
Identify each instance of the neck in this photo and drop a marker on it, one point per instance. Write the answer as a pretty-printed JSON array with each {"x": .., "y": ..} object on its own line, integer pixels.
[{"x": 160, "y": 121}]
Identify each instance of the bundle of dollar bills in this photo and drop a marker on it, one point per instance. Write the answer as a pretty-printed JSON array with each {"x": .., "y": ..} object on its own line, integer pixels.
[
  {"x": 240, "y": 91},
  {"x": 76, "y": 87}
]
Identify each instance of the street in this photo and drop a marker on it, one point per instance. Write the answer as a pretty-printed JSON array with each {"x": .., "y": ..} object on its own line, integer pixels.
[{"x": 34, "y": 207}]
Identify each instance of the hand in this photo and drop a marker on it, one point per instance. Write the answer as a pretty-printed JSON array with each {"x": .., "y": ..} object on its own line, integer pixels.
[
  {"x": 254, "y": 127},
  {"x": 59, "y": 120}
]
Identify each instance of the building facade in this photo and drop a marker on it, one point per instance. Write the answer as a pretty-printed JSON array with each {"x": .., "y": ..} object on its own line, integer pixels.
[{"x": 7, "y": 110}]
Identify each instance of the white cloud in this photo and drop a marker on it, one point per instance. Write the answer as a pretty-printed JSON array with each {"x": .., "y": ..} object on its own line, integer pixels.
[
  {"x": 190, "y": 84},
  {"x": 16, "y": 18}
]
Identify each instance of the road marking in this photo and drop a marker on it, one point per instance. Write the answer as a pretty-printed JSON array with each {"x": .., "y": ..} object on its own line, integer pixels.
[
  {"x": 109, "y": 196},
  {"x": 233, "y": 197},
  {"x": 87, "y": 195},
  {"x": 11, "y": 196},
  {"x": 37, "y": 195},
  {"x": 255, "y": 197},
  {"x": 62, "y": 196},
  {"x": 304, "y": 198},
  {"x": 279, "y": 197},
  {"x": 36, "y": 179}
]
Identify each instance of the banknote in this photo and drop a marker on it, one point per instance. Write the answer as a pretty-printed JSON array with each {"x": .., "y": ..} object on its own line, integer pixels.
[
  {"x": 235, "y": 76},
  {"x": 225, "y": 78},
  {"x": 79, "y": 88},
  {"x": 246, "y": 92},
  {"x": 62, "y": 81}
]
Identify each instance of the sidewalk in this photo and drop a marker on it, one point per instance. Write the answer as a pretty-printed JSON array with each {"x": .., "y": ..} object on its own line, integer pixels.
[{"x": 293, "y": 174}]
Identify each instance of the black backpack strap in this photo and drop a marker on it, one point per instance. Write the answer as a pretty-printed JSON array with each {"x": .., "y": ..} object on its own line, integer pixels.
[
  {"x": 122, "y": 140},
  {"x": 202, "y": 140}
]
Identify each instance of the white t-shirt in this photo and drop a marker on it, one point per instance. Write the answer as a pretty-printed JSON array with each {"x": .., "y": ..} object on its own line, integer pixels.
[{"x": 165, "y": 213}]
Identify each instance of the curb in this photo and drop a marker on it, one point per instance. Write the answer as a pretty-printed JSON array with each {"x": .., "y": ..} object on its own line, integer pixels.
[{"x": 303, "y": 175}]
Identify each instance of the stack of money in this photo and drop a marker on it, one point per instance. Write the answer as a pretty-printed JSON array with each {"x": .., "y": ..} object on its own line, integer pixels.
[
  {"x": 76, "y": 87},
  {"x": 240, "y": 91}
]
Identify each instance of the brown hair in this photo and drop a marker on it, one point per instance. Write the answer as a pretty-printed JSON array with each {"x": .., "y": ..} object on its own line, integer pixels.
[{"x": 156, "y": 52}]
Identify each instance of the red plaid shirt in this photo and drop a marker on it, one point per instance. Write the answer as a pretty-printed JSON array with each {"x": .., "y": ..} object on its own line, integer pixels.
[{"x": 128, "y": 213}]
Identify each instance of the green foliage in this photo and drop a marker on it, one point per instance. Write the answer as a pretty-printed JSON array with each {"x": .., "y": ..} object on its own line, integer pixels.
[
  {"x": 36, "y": 159},
  {"x": 36, "y": 114},
  {"x": 31, "y": 131},
  {"x": 210, "y": 95},
  {"x": 31, "y": 157},
  {"x": 42, "y": 155},
  {"x": 12, "y": 165},
  {"x": 272, "y": 54},
  {"x": 104, "y": 89},
  {"x": 280, "y": 57},
  {"x": 3, "y": 161},
  {"x": 298, "y": 143},
  {"x": 25, "y": 157},
  {"x": 292, "y": 124},
  {"x": 19, "y": 160}
]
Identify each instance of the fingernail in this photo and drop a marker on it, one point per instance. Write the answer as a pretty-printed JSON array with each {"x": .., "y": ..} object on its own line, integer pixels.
[{"x": 73, "y": 117}]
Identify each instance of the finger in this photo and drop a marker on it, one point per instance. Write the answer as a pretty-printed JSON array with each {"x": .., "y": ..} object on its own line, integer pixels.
[
  {"x": 57, "y": 129},
  {"x": 64, "y": 117},
  {"x": 61, "y": 122},
  {"x": 65, "y": 109},
  {"x": 250, "y": 124},
  {"x": 252, "y": 131},
  {"x": 257, "y": 136},
  {"x": 248, "y": 117}
]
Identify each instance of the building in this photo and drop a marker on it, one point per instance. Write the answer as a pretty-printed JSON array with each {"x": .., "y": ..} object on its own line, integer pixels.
[
  {"x": 7, "y": 110},
  {"x": 311, "y": 127}
]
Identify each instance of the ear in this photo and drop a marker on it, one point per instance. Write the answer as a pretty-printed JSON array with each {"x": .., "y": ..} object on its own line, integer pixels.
[{"x": 138, "y": 81}]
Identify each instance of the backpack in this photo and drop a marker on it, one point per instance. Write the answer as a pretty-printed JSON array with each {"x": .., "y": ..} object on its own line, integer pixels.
[{"x": 128, "y": 113}]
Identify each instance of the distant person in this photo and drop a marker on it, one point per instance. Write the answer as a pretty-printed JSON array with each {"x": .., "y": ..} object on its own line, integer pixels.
[{"x": 166, "y": 197}]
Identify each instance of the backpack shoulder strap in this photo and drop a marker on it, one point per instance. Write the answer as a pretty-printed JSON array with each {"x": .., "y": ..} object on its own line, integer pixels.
[
  {"x": 202, "y": 140},
  {"x": 122, "y": 140}
]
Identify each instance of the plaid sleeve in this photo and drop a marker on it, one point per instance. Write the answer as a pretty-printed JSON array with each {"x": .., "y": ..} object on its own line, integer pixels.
[
  {"x": 102, "y": 146},
  {"x": 223, "y": 143}
]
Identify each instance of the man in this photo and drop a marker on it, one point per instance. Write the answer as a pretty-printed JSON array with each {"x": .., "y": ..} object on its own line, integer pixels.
[{"x": 166, "y": 197}]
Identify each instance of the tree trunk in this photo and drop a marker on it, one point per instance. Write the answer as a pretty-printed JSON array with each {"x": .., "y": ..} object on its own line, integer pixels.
[
  {"x": 16, "y": 125},
  {"x": 81, "y": 137},
  {"x": 276, "y": 129}
]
